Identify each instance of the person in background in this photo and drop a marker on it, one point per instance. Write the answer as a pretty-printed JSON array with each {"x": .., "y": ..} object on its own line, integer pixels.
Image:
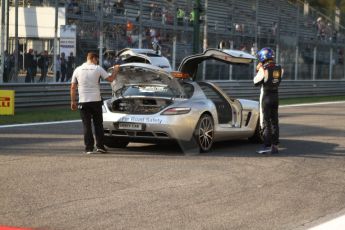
[
  {"x": 70, "y": 66},
  {"x": 34, "y": 67},
  {"x": 321, "y": 28},
  {"x": 43, "y": 64},
  {"x": 63, "y": 64},
  {"x": 87, "y": 79},
  {"x": 29, "y": 64},
  {"x": 180, "y": 14},
  {"x": 192, "y": 17},
  {"x": 7, "y": 66},
  {"x": 269, "y": 76},
  {"x": 58, "y": 67}
]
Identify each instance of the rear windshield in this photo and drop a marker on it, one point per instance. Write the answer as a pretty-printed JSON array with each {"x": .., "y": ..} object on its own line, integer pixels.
[
  {"x": 152, "y": 55},
  {"x": 146, "y": 90}
]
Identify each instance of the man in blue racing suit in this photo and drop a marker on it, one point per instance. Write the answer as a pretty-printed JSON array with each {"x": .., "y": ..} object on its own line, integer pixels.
[{"x": 268, "y": 76}]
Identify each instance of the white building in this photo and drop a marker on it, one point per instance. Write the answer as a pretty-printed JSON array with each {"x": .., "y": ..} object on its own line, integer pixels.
[{"x": 36, "y": 27}]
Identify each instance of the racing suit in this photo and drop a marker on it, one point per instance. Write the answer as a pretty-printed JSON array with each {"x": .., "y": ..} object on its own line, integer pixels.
[{"x": 269, "y": 77}]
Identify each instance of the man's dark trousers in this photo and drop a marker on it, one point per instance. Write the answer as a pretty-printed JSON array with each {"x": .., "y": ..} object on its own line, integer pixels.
[
  {"x": 270, "y": 104},
  {"x": 92, "y": 111}
]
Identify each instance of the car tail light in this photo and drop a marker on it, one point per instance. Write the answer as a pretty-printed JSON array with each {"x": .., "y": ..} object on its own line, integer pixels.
[
  {"x": 181, "y": 75},
  {"x": 176, "y": 111}
]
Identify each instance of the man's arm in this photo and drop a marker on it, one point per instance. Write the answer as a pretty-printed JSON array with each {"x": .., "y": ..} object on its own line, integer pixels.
[
  {"x": 282, "y": 73},
  {"x": 258, "y": 79},
  {"x": 74, "y": 96},
  {"x": 116, "y": 70}
]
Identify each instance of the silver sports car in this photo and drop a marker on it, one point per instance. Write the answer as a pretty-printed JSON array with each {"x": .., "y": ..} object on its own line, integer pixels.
[{"x": 150, "y": 104}]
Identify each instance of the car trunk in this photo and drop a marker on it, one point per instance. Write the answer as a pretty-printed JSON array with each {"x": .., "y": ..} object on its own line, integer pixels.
[{"x": 143, "y": 89}]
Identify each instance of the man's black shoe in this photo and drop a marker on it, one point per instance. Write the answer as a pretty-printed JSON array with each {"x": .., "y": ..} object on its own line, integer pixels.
[
  {"x": 89, "y": 151},
  {"x": 274, "y": 149},
  {"x": 265, "y": 150},
  {"x": 101, "y": 150}
]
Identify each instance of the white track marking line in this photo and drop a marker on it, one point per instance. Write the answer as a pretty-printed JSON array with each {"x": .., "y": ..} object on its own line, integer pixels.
[
  {"x": 335, "y": 224},
  {"x": 312, "y": 104},
  {"x": 74, "y": 121},
  {"x": 39, "y": 123}
]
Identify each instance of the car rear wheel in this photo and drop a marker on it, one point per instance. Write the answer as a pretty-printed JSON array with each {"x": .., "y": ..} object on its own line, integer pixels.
[
  {"x": 204, "y": 133},
  {"x": 112, "y": 142}
]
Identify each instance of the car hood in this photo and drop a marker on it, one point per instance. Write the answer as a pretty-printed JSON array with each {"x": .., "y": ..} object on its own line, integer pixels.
[
  {"x": 149, "y": 56},
  {"x": 148, "y": 77},
  {"x": 190, "y": 64}
]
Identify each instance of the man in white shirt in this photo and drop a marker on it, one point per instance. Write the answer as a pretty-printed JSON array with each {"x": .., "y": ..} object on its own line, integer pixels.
[{"x": 87, "y": 79}]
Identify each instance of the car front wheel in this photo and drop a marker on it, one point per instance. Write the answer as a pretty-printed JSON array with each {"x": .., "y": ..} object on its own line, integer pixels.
[{"x": 204, "y": 133}]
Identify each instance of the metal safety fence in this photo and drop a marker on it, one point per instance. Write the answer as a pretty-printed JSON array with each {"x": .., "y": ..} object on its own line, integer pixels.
[{"x": 52, "y": 95}]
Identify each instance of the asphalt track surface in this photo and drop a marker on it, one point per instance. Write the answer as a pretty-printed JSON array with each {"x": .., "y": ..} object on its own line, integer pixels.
[{"x": 46, "y": 181}]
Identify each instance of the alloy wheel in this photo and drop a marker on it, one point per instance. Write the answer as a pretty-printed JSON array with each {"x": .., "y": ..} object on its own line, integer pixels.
[{"x": 205, "y": 133}]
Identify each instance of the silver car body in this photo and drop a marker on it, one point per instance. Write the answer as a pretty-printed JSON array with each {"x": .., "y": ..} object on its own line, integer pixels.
[{"x": 138, "y": 122}]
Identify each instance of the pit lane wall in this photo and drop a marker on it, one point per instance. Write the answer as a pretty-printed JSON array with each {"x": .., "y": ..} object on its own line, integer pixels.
[{"x": 57, "y": 94}]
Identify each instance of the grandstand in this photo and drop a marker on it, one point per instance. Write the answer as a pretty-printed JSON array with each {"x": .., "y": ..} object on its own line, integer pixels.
[{"x": 288, "y": 26}]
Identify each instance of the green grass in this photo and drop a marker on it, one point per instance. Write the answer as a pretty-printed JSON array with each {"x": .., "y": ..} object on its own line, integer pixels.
[
  {"x": 40, "y": 115},
  {"x": 289, "y": 101},
  {"x": 64, "y": 113}
]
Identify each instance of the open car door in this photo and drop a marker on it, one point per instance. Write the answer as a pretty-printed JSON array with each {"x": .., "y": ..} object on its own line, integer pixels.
[
  {"x": 190, "y": 64},
  {"x": 229, "y": 110}
]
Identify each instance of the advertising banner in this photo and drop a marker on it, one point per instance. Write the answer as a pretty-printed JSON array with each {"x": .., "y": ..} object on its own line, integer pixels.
[
  {"x": 6, "y": 102},
  {"x": 68, "y": 39}
]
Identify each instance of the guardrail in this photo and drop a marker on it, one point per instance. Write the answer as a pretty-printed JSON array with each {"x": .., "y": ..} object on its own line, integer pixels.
[
  {"x": 287, "y": 89},
  {"x": 57, "y": 94}
]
